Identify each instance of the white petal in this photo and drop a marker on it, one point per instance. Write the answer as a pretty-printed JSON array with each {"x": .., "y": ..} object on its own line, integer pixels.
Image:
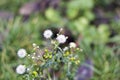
[
  {"x": 20, "y": 69},
  {"x": 47, "y": 34},
  {"x": 61, "y": 38},
  {"x": 72, "y": 45},
  {"x": 21, "y": 53}
]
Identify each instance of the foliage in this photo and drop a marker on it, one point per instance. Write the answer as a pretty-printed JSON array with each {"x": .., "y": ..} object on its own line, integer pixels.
[{"x": 99, "y": 38}]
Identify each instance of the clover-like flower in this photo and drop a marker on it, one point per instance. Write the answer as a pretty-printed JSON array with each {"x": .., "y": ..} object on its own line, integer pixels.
[
  {"x": 61, "y": 38},
  {"x": 20, "y": 69},
  {"x": 21, "y": 53},
  {"x": 47, "y": 34},
  {"x": 72, "y": 45}
]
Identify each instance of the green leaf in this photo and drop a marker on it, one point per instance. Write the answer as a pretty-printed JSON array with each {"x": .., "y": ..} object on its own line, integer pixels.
[{"x": 52, "y": 15}]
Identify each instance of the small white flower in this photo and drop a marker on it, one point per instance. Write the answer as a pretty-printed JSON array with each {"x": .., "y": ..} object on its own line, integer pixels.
[
  {"x": 28, "y": 69},
  {"x": 33, "y": 57},
  {"x": 28, "y": 55},
  {"x": 65, "y": 49},
  {"x": 72, "y": 45},
  {"x": 20, "y": 69},
  {"x": 34, "y": 45},
  {"x": 61, "y": 38},
  {"x": 21, "y": 53},
  {"x": 47, "y": 34},
  {"x": 37, "y": 46}
]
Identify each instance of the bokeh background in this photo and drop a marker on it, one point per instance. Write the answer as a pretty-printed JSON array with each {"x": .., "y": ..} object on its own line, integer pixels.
[{"x": 93, "y": 24}]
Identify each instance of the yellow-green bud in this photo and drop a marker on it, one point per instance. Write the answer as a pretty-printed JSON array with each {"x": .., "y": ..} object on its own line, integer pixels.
[
  {"x": 34, "y": 73},
  {"x": 77, "y": 62},
  {"x": 72, "y": 58}
]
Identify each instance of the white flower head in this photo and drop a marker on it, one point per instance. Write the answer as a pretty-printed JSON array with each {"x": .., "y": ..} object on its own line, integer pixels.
[
  {"x": 61, "y": 38},
  {"x": 47, "y": 34},
  {"x": 34, "y": 45},
  {"x": 21, "y": 53},
  {"x": 20, "y": 69},
  {"x": 72, "y": 45},
  {"x": 65, "y": 48}
]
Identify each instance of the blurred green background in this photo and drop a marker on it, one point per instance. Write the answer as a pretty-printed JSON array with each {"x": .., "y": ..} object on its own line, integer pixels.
[{"x": 93, "y": 24}]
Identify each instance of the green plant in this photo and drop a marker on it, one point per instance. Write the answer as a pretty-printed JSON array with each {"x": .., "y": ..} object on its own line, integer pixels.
[{"x": 47, "y": 62}]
